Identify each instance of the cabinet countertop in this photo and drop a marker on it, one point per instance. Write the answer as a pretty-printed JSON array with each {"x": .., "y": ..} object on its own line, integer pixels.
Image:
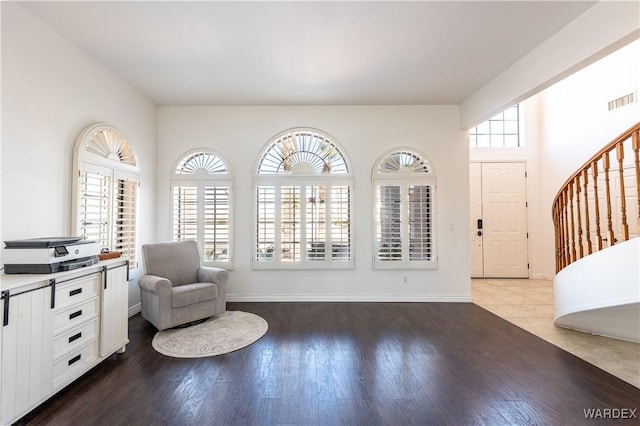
[{"x": 15, "y": 281}]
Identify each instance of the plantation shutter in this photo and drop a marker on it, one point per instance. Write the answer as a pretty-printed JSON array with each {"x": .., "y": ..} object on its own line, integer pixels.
[
  {"x": 420, "y": 231},
  {"x": 266, "y": 219},
  {"x": 389, "y": 221},
  {"x": 125, "y": 213},
  {"x": 216, "y": 223},
  {"x": 340, "y": 222},
  {"x": 94, "y": 204},
  {"x": 290, "y": 223},
  {"x": 185, "y": 213}
]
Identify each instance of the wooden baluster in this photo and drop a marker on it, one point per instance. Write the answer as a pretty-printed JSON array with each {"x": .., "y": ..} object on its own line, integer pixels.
[
  {"x": 635, "y": 142},
  {"x": 567, "y": 250},
  {"x": 578, "y": 193},
  {"x": 556, "y": 228},
  {"x": 623, "y": 198},
  {"x": 573, "y": 226},
  {"x": 585, "y": 182},
  {"x": 635, "y": 139},
  {"x": 563, "y": 241},
  {"x": 612, "y": 237},
  {"x": 594, "y": 173}
]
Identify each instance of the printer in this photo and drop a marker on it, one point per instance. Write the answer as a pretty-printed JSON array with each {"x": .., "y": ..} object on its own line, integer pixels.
[{"x": 48, "y": 255}]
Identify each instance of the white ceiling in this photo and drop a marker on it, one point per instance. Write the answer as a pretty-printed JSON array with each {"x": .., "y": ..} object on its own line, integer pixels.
[{"x": 307, "y": 53}]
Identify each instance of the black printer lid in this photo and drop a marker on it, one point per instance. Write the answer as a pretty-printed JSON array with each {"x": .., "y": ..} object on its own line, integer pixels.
[{"x": 45, "y": 242}]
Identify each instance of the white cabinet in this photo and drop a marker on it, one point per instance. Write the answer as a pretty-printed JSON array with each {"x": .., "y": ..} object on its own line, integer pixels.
[
  {"x": 114, "y": 333},
  {"x": 26, "y": 351},
  {"x": 55, "y": 328}
]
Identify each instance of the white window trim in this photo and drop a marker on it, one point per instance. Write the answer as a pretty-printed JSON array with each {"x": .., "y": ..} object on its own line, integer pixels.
[
  {"x": 200, "y": 181},
  {"x": 404, "y": 180},
  {"x": 108, "y": 164},
  {"x": 302, "y": 180}
]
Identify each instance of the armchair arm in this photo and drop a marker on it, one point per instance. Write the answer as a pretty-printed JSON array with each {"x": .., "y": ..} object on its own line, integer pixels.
[
  {"x": 155, "y": 284},
  {"x": 209, "y": 274}
]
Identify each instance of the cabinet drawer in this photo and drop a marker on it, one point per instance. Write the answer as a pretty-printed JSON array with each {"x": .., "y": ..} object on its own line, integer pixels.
[
  {"x": 75, "y": 338},
  {"x": 70, "y": 365},
  {"x": 76, "y": 291},
  {"x": 75, "y": 315}
]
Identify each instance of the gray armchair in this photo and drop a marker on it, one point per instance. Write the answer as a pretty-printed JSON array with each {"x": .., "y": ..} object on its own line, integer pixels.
[{"x": 176, "y": 289}]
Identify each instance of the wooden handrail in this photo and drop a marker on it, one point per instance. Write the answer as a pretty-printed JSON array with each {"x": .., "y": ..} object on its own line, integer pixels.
[{"x": 582, "y": 203}]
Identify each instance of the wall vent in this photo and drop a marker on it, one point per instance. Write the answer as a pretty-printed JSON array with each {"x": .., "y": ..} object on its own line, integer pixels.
[{"x": 622, "y": 101}]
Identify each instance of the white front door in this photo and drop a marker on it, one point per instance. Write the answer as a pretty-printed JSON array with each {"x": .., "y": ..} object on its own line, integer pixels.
[{"x": 499, "y": 232}]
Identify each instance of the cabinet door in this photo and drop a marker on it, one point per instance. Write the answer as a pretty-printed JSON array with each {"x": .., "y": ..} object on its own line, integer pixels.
[
  {"x": 115, "y": 309},
  {"x": 27, "y": 353}
]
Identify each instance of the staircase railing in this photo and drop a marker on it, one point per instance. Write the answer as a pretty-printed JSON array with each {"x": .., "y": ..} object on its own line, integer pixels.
[{"x": 593, "y": 208}]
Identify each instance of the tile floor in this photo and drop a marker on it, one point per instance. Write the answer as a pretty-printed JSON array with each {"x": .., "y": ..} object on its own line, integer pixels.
[{"x": 529, "y": 305}]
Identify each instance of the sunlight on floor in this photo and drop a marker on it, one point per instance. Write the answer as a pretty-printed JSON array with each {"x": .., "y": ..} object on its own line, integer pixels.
[{"x": 529, "y": 305}]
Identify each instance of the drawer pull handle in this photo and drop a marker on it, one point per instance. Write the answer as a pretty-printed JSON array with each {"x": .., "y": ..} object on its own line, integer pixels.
[
  {"x": 76, "y": 291},
  {"x": 75, "y": 359},
  {"x": 75, "y": 337},
  {"x": 75, "y": 314}
]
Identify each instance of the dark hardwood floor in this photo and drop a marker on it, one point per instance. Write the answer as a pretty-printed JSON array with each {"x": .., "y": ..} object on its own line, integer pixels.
[{"x": 348, "y": 363}]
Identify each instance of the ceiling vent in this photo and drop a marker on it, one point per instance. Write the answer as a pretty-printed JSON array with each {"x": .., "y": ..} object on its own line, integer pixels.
[{"x": 622, "y": 101}]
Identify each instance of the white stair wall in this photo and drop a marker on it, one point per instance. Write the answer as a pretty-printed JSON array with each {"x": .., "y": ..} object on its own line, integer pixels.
[{"x": 600, "y": 293}]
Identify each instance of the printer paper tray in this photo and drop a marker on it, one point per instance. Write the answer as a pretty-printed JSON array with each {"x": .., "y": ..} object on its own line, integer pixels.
[{"x": 50, "y": 268}]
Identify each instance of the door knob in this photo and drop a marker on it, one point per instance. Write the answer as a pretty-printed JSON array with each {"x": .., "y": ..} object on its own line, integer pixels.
[{"x": 479, "y": 233}]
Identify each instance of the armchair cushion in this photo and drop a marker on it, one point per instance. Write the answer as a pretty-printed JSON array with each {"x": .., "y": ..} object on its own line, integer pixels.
[{"x": 189, "y": 294}]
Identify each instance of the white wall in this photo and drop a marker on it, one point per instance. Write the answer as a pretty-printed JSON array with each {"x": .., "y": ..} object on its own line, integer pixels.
[
  {"x": 575, "y": 123},
  {"x": 601, "y": 30},
  {"x": 51, "y": 90},
  {"x": 365, "y": 132}
]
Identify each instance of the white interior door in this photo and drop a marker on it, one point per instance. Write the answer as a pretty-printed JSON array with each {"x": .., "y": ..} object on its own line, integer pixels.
[{"x": 502, "y": 225}]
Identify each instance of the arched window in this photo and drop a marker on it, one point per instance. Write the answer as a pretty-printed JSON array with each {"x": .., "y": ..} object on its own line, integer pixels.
[
  {"x": 303, "y": 190},
  {"x": 105, "y": 189},
  {"x": 404, "y": 198},
  {"x": 201, "y": 188}
]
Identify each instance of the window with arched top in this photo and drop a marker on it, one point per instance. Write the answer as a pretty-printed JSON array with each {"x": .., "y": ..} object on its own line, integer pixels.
[
  {"x": 105, "y": 189},
  {"x": 303, "y": 189},
  {"x": 202, "y": 208},
  {"x": 404, "y": 186}
]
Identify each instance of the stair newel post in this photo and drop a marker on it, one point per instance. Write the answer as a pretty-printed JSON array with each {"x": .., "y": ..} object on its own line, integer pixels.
[
  {"x": 635, "y": 140},
  {"x": 594, "y": 173},
  {"x": 623, "y": 198},
  {"x": 578, "y": 194},
  {"x": 607, "y": 166},
  {"x": 585, "y": 182}
]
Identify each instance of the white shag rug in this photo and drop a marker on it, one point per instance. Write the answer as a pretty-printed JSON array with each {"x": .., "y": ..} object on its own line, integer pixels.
[{"x": 224, "y": 333}]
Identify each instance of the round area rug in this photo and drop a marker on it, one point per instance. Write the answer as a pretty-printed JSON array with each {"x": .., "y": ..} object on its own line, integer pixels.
[{"x": 224, "y": 333}]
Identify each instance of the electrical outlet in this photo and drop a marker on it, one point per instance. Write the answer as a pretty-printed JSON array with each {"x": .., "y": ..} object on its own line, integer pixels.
[{"x": 405, "y": 279}]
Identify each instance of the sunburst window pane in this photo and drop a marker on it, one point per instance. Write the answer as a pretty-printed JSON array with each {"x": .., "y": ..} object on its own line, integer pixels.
[{"x": 303, "y": 152}]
